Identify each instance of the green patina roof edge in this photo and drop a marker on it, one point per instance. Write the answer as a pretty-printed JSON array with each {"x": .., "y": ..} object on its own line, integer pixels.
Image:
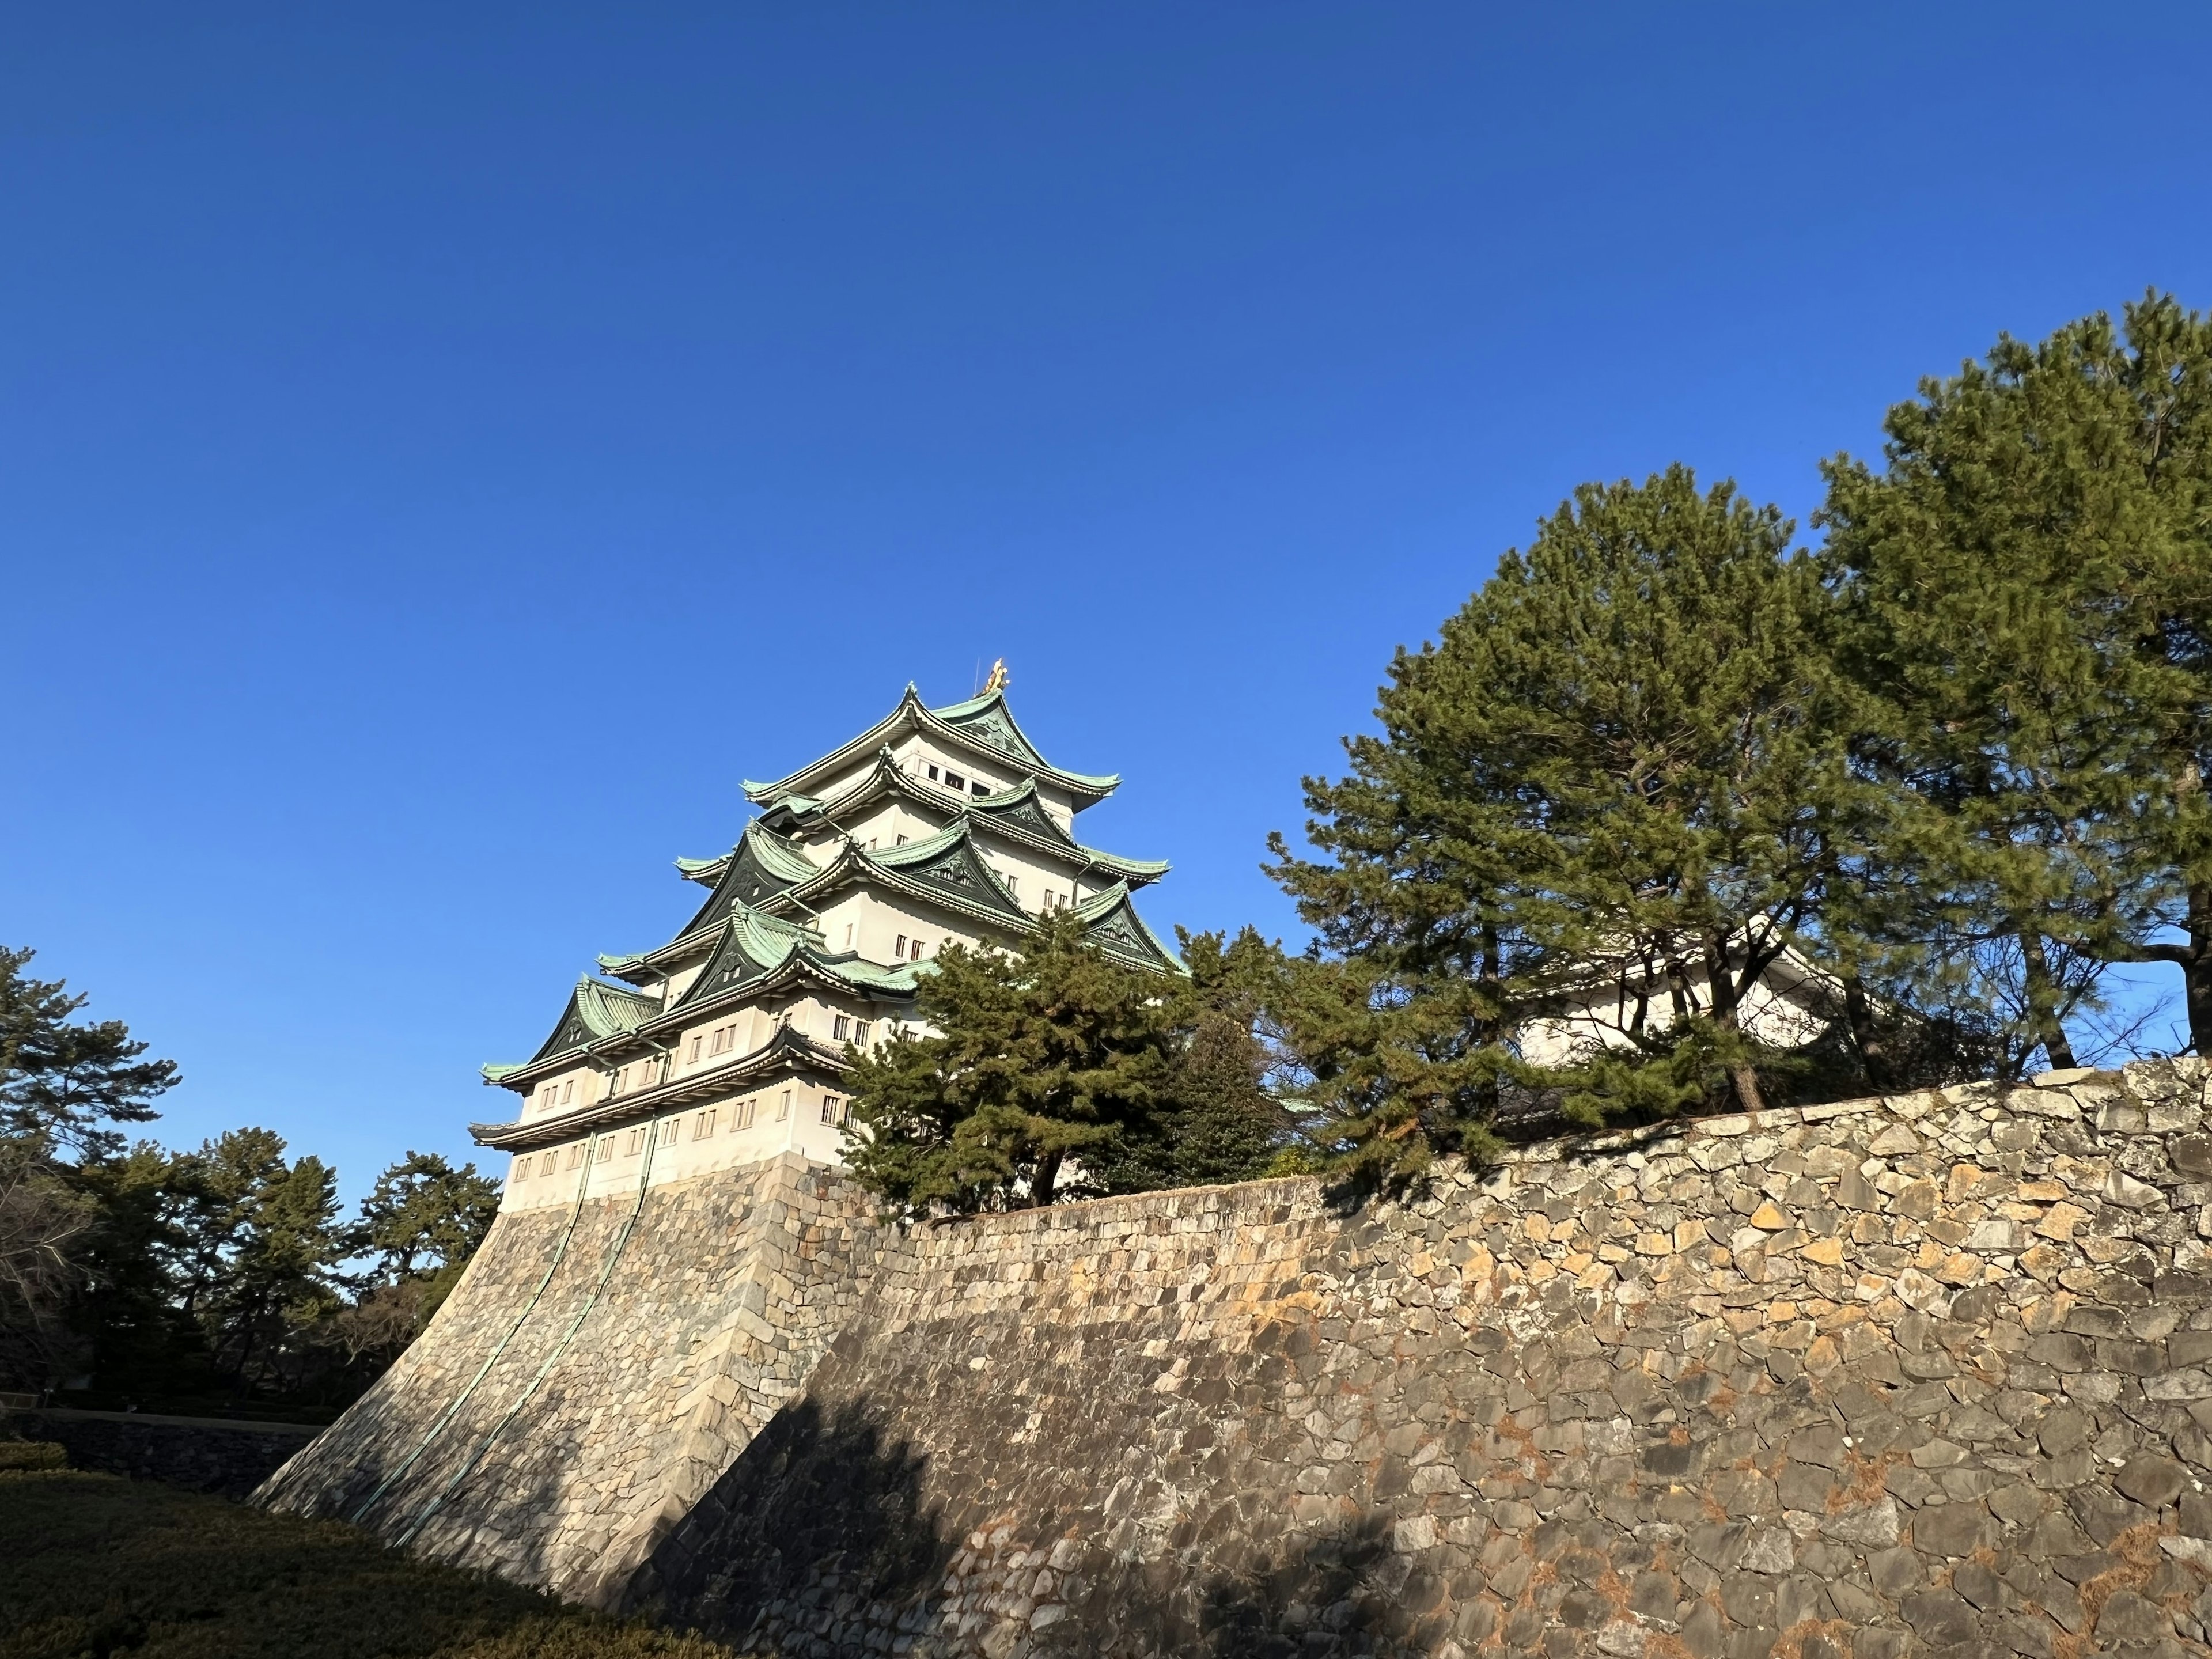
[
  {"x": 1097, "y": 908},
  {"x": 602, "y": 1008},
  {"x": 1089, "y": 782},
  {"x": 953, "y": 713}
]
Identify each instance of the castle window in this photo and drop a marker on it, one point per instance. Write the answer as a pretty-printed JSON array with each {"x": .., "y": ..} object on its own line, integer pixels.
[
  {"x": 901, "y": 841},
  {"x": 848, "y": 936},
  {"x": 703, "y": 1124},
  {"x": 954, "y": 781},
  {"x": 723, "y": 1036},
  {"x": 634, "y": 1143},
  {"x": 832, "y": 1109},
  {"x": 522, "y": 1168},
  {"x": 668, "y": 1128},
  {"x": 783, "y": 1107},
  {"x": 861, "y": 1033},
  {"x": 933, "y": 775},
  {"x": 916, "y": 953},
  {"x": 698, "y": 1041},
  {"x": 606, "y": 1149},
  {"x": 545, "y": 1163},
  {"x": 567, "y": 1092},
  {"x": 575, "y": 1154},
  {"x": 979, "y": 787},
  {"x": 838, "y": 1028},
  {"x": 743, "y": 1119},
  {"x": 899, "y": 949},
  {"x": 1013, "y": 883}
]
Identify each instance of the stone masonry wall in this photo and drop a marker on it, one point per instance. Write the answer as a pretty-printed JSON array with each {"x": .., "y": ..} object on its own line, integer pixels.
[
  {"x": 1925, "y": 1374},
  {"x": 230, "y": 1459},
  {"x": 556, "y": 1441}
]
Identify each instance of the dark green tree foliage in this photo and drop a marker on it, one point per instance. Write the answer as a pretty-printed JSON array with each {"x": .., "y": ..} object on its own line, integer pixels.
[
  {"x": 1617, "y": 782},
  {"x": 62, "y": 1083},
  {"x": 1056, "y": 1072},
  {"x": 424, "y": 1216},
  {"x": 260, "y": 1253},
  {"x": 423, "y": 1220},
  {"x": 1215, "y": 1120},
  {"x": 142, "y": 1338},
  {"x": 2028, "y": 582},
  {"x": 63, "y": 1080}
]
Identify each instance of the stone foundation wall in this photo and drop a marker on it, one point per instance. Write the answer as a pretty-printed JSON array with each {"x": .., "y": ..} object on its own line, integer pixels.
[
  {"x": 1925, "y": 1374},
  {"x": 555, "y": 1436},
  {"x": 230, "y": 1459}
]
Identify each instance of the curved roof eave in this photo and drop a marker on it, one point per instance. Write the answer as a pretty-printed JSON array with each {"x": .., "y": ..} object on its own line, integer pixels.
[{"x": 1095, "y": 787}]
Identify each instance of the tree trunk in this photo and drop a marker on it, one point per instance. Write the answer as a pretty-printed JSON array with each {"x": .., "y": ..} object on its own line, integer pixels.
[
  {"x": 2043, "y": 1021},
  {"x": 1492, "y": 977},
  {"x": 1743, "y": 1079},
  {"x": 2196, "y": 972},
  {"x": 1725, "y": 996},
  {"x": 1865, "y": 1035},
  {"x": 1046, "y": 1178}
]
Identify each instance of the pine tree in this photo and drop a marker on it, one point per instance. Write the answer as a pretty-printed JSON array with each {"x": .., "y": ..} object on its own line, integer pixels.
[
  {"x": 1035, "y": 1064},
  {"x": 260, "y": 1255},
  {"x": 1617, "y": 787},
  {"x": 1215, "y": 1119},
  {"x": 423, "y": 1219},
  {"x": 2029, "y": 584},
  {"x": 1053, "y": 1072},
  {"x": 61, "y": 1080}
]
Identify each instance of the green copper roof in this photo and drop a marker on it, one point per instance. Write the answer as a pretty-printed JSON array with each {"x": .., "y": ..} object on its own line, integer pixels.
[
  {"x": 696, "y": 869},
  {"x": 760, "y": 863},
  {"x": 1136, "y": 869},
  {"x": 988, "y": 717},
  {"x": 1111, "y": 922},
  {"x": 596, "y": 1009},
  {"x": 948, "y": 865},
  {"x": 755, "y": 946},
  {"x": 982, "y": 724}
]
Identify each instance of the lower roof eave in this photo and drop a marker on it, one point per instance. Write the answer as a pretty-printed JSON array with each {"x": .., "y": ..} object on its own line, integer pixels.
[{"x": 765, "y": 1065}]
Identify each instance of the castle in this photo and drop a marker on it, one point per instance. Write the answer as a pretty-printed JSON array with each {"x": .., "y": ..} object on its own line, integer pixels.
[
  {"x": 1925, "y": 1373},
  {"x": 728, "y": 1044}
]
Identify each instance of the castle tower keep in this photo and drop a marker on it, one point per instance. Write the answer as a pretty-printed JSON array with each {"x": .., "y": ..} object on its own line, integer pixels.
[{"x": 728, "y": 1044}]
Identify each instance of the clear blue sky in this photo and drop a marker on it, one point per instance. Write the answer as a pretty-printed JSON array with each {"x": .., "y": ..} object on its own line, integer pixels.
[{"x": 441, "y": 452}]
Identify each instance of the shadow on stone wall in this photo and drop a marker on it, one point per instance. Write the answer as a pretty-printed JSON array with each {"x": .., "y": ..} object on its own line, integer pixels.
[
  {"x": 819, "y": 1512},
  {"x": 819, "y": 1542}
]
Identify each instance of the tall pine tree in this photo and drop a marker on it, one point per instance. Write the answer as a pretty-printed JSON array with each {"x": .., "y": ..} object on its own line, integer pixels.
[
  {"x": 1617, "y": 787},
  {"x": 2029, "y": 584}
]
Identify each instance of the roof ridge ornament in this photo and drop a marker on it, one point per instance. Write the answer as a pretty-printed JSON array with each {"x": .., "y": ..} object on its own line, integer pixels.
[{"x": 1000, "y": 677}]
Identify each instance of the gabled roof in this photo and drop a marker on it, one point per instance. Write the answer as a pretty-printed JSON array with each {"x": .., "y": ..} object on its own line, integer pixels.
[
  {"x": 708, "y": 871},
  {"x": 944, "y": 869},
  {"x": 1111, "y": 922},
  {"x": 983, "y": 726},
  {"x": 758, "y": 951},
  {"x": 596, "y": 1009},
  {"x": 1017, "y": 814},
  {"x": 761, "y": 863},
  {"x": 1018, "y": 810}
]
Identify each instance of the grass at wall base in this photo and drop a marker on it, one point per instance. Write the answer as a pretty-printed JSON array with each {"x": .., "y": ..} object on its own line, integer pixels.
[{"x": 93, "y": 1566}]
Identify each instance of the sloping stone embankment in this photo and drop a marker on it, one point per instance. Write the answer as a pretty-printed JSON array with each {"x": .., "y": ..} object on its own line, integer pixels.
[
  {"x": 553, "y": 1426},
  {"x": 1920, "y": 1375}
]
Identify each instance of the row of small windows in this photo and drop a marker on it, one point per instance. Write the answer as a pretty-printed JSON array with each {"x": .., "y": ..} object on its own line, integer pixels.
[
  {"x": 953, "y": 781},
  {"x": 707, "y": 1045},
  {"x": 835, "y": 1110}
]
